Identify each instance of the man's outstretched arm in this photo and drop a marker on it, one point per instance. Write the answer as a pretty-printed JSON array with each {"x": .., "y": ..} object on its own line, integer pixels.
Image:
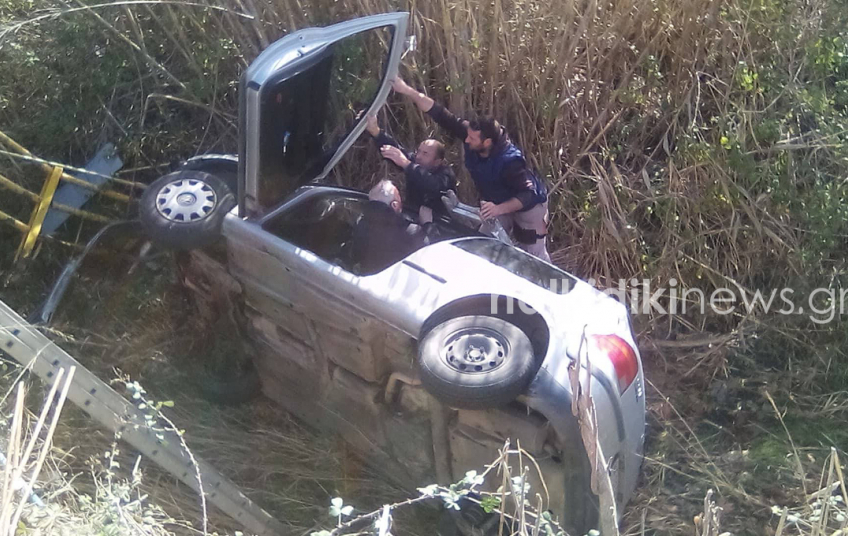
[
  {"x": 381, "y": 137},
  {"x": 454, "y": 125},
  {"x": 389, "y": 147},
  {"x": 421, "y": 100}
]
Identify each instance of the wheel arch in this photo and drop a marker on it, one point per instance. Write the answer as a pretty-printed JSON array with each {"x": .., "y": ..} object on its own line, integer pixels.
[
  {"x": 532, "y": 324},
  {"x": 224, "y": 166},
  {"x": 581, "y": 503}
]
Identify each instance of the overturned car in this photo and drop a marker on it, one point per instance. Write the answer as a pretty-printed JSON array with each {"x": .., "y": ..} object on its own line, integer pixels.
[{"x": 428, "y": 366}]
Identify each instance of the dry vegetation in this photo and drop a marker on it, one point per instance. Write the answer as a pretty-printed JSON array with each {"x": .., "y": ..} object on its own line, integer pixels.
[
  {"x": 142, "y": 331},
  {"x": 38, "y": 495},
  {"x": 700, "y": 140}
]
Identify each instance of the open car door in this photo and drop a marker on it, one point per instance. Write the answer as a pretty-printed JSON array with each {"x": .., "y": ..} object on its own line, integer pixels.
[{"x": 303, "y": 103}]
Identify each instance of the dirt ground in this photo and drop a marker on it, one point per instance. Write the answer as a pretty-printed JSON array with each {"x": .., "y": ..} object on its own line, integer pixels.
[{"x": 711, "y": 426}]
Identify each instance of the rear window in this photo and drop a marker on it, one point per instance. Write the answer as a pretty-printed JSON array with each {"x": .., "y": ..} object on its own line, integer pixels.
[{"x": 519, "y": 263}]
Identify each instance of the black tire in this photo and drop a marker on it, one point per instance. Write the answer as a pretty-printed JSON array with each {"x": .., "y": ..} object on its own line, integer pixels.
[
  {"x": 470, "y": 520},
  {"x": 222, "y": 166},
  {"x": 193, "y": 223},
  {"x": 475, "y": 362},
  {"x": 236, "y": 387},
  {"x": 582, "y": 512}
]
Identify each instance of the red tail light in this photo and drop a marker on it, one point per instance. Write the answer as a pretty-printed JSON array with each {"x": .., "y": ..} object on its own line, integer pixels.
[{"x": 622, "y": 356}]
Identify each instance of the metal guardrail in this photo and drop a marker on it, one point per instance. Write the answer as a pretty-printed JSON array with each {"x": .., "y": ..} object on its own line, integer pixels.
[
  {"x": 57, "y": 200},
  {"x": 24, "y": 343}
]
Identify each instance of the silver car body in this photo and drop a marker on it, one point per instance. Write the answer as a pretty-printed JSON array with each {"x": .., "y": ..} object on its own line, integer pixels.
[
  {"x": 326, "y": 330},
  {"x": 405, "y": 295}
]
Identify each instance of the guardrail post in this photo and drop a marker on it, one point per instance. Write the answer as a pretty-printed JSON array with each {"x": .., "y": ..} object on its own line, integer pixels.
[{"x": 45, "y": 198}]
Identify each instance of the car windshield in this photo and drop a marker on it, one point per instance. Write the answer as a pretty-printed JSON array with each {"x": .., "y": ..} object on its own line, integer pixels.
[{"x": 519, "y": 263}]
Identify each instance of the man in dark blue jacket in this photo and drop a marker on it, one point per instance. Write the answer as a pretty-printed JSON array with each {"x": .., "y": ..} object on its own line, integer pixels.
[
  {"x": 509, "y": 190},
  {"x": 428, "y": 175}
]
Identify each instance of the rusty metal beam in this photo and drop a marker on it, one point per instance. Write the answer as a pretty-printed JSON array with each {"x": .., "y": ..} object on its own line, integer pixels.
[
  {"x": 14, "y": 222},
  {"x": 47, "y": 166},
  {"x": 16, "y": 188}
]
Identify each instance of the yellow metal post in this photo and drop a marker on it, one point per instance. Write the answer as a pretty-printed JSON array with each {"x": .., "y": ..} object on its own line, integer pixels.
[{"x": 46, "y": 197}]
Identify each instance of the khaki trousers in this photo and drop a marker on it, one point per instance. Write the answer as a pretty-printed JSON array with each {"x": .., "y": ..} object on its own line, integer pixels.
[{"x": 535, "y": 219}]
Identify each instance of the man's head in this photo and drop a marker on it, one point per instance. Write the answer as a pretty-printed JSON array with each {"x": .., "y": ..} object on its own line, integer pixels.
[
  {"x": 430, "y": 154},
  {"x": 387, "y": 193},
  {"x": 482, "y": 134}
]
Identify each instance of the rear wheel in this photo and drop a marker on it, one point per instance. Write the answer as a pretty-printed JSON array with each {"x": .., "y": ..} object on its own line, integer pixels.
[
  {"x": 475, "y": 362},
  {"x": 581, "y": 505},
  {"x": 469, "y": 520},
  {"x": 220, "y": 364},
  {"x": 236, "y": 384},
  {"x": 185, "y": 209}
]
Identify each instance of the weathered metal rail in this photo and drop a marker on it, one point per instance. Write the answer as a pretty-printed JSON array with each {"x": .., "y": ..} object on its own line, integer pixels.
[
  {"x": 24, "y": 343},
  {"x": 56, "y": 201}
]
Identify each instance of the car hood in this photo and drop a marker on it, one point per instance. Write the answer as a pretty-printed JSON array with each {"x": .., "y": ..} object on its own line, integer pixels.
[{"x": 570, "y": 299}]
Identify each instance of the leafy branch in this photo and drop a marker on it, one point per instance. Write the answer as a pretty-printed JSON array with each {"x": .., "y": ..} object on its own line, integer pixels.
[{"x": 525, "y": 518}]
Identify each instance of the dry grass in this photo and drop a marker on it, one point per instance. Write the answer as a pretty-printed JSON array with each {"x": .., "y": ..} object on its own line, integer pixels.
[
  {"x": 760, "y": 455},
  {"x": 621, "y": 106},
  {"x": 137, "y": 328},
  {"x": 666, "y": 158},
  {"x": 37, "y": 495}
]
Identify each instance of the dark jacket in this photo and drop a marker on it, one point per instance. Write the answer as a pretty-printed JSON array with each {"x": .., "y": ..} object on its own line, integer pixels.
[
  {"x": 423, "y": 186},
  {"x": 503, "y": 174},
  {"x": 383, "y": 237}
]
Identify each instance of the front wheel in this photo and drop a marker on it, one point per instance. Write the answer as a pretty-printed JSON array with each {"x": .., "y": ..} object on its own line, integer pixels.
[
  {"x": 185, "y": 209},
  {"x": 240, "y": 384},
  {"x": 475, "y": 362}
]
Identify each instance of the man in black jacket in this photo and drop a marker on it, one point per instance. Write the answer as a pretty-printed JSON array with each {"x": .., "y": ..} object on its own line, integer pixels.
[
  {"x": 382, "y": 236},
  {"x": 428, "y": 175},
  {"x": 509, "y": 190}
]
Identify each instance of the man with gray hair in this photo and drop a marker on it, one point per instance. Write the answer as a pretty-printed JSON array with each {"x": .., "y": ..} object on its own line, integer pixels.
[
  {"x": 382, "y": 236},
  {"x": 387, "y": 193}
]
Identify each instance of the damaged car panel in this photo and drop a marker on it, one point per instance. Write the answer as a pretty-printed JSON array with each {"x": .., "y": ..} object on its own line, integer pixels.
[
  {"x": 288, "y": 109},
  {"x": 430, "y": 365}
]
